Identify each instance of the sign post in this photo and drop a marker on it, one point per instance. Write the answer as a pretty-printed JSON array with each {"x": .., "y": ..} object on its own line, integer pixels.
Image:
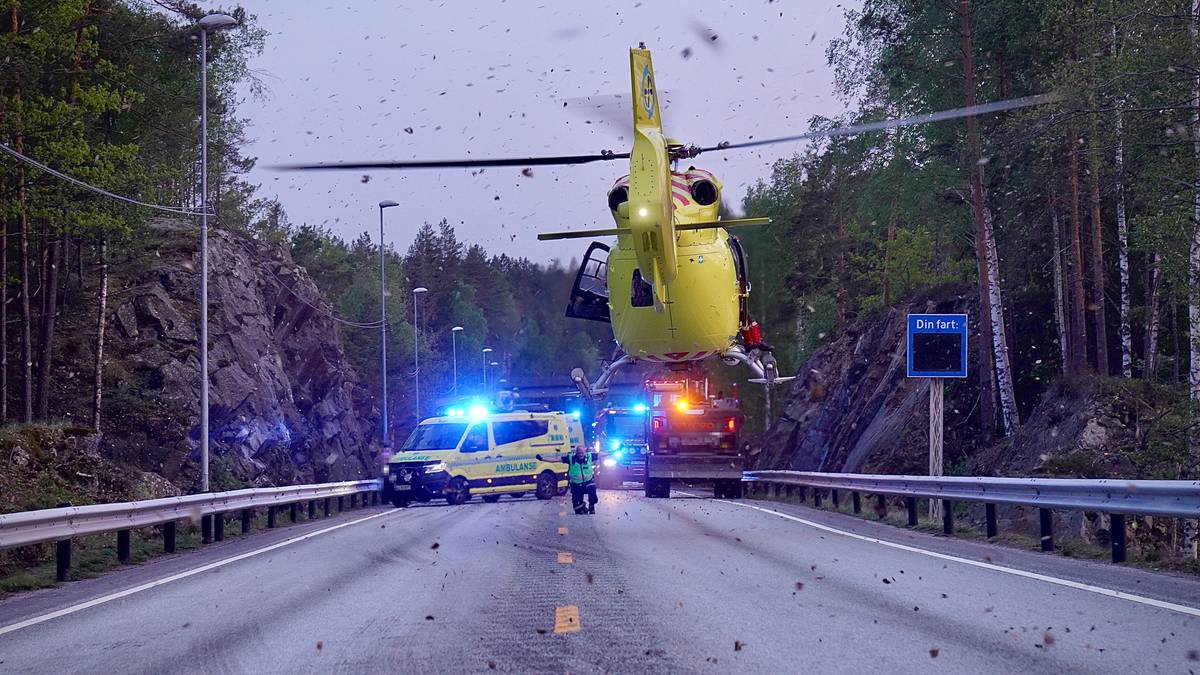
[{"x": 937, "y": 349}]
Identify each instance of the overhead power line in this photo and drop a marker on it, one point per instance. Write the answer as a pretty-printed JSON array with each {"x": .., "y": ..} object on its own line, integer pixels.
[{"x": 88, "y": 186}]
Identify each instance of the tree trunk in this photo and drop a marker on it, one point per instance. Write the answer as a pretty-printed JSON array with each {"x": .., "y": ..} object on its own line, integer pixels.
[
  {"x": 98, "y": 371},
  {"x": 1122, "y": 235},
  {"x": 1004, "y": 385},
  {"x": 1150, "y": 367},
  {"x": 1060, "y": 312},
  {"x": 987, "y": 381},
  {"x": 1190, "y": 538},
  {"x": 1078, "y": 322},
  {"x": 46, "y": 338},
  {"x": 1099, "y": 315},
  {"x": 26, "y": 319}
]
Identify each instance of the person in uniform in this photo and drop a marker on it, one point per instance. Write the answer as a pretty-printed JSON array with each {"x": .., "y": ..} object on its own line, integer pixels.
[{"x": 581, "y": 475}]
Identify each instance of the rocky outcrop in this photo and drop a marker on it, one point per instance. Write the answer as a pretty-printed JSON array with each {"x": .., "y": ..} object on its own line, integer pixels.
[
  {"x": 286, "y": 407},
  {"x": 852, "y": 409}
]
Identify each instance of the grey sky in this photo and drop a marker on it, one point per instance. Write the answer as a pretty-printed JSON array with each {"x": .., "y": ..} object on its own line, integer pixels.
[{"x": 479, "y": 79}]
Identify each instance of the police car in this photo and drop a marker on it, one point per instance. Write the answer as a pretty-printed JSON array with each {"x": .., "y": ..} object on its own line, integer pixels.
[{"x": 474, "y": 452}]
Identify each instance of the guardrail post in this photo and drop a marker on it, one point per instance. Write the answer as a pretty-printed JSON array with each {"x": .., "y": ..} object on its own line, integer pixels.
[
  {"x": 271, "y": 517},
  {"x": 247, "y": 515},
  {"x": 1116, "y": 531},
  {"x": 856, "y": 502},
  {"x": 778, "y": 490},
  {"x": 881, "y": 506},
  {"x": 62, "y": 560},
  {"x": 1047, "y": 520},
  {"x": 990, "y": 514},
  {"x": 947, "y": 516},
  {"x": 327, "y": 503},
  {"x": 789, "y": 491},
  {"x": 312, "y": 509},
  {"x": 817, "y": 497},
  {"x": 374, "y": 497},
  {"x": 219, "y": 527},
  {"x": 294, "y": 511},
  {"x": 803, "y": 494},
  {"x": 341, "y": 505},
  {"x": 123, "y": 546},
  {"x": 836, "y": 502},
  {"x": 169, "y": 537},
  {"x": 206, "y": 529},
  {"x": 911, "y": 504}
]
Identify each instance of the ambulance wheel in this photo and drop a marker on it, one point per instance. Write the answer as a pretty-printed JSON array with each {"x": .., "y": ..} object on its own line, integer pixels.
[
  {"x": 458, "y": 492},
  {"x": 517, "y": 495},
  {"x": 547, "y": 485},
  {"x": 491, "y": 499},
  {"x": 399, "y": 502}
]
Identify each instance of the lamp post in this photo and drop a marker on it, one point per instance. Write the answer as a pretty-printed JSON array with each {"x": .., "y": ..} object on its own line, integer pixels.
[
  {"x": 486, "y": 351},
  {"x": 454, "y": 355},
  {"x": 416, "y": 347},
  {"x": 386, "y": 204},
  {"x": 494, "y": 364},
  {"x": 208, "y": 23}
]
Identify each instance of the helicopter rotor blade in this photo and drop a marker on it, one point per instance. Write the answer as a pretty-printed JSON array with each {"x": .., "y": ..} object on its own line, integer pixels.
[
  {"x": 855, "y": 129},
  {"x": 561, "y": 160}
]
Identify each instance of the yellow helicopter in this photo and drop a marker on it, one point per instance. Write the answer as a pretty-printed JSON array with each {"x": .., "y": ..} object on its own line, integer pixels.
[{"x": 675, "y": 288}]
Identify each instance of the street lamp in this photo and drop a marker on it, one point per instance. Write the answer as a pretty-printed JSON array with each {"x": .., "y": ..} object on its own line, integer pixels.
[
  {"x": 208, "y": 23},
  {"x": 486, "y": 351},
  {"x": 386, "y": 204},
  {"x": 416, "y": 346},
  {"x": 454, "y": 355},
  {"x": 494, "y": 364}
]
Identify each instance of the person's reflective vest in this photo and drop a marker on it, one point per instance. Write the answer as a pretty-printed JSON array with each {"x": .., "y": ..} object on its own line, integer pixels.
[{"x": 580, "y": 471}]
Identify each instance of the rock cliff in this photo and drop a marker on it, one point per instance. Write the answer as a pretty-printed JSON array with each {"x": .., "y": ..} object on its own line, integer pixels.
[{"x": 286, "y": 406}]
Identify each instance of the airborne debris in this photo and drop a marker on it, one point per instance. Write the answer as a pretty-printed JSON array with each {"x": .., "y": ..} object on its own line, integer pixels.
[
  {"x": 737, "y": 645},
  {"x": 408, "y": 130},
  {"x": 320, "y": 645},
  {"x": 491, "y": 665},
  {"x": 527, "y": 172},
  {"x": 366, "y": 178},
  {"x": 435, "y": 546},
  {"x": 933, "y": 652},
  {"x": 429, "y": 617}
]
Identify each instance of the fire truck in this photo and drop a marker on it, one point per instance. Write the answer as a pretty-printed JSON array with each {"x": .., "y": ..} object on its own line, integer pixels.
[{"x": 692, "y": 437}]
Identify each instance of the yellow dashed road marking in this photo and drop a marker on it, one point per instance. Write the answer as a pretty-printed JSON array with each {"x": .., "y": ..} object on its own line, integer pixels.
[
  {"x": 566, "y": 619},
  {"x": 566, "y": 558},
  {"x": 562, "y": 530}
]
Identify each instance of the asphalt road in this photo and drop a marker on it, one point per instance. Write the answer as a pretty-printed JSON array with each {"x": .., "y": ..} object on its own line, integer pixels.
[{"x": 681, "y": 585}]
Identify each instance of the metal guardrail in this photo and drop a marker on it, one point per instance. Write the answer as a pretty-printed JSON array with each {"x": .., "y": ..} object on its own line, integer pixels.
[
  {"x": 1116, "y": 497},
  {"x": 61, "y": 524}
]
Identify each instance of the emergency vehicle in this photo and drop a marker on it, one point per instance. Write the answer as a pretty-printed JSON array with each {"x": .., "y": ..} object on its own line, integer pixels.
[{"x": 469, "y": 452}]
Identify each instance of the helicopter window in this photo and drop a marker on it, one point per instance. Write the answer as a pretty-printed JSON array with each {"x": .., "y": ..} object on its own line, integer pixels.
[
  {"x": 739, "y": 266},
  {"x": 640, "y": 292}
]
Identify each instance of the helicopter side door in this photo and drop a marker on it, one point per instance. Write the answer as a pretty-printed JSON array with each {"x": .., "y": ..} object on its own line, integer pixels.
[
  {"x": 743, "y": 279},
  {"x": 589, "y": 295}
]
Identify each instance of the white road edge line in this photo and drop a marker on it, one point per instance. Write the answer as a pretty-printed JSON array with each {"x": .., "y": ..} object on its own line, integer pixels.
[
  {"x": 1099, "y": 590},
  {"x": 176, "y": 577}
]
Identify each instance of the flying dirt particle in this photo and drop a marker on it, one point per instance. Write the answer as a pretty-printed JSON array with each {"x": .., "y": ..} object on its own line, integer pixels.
[
  {"x": 320, "y": 645},
  {"x": 366, "y": 178},
  {"x": 496, "y": 198},
  {"x": 527, "y": 172},
  {"x": 933, "y": 653},
  {"x": 542, "y": 631},
  {"x": 737, "y": 645},
  {"x": 944, "y": 596},
  {"x": 383, "y": 527},
  {"x": 491, "y": 665},
  {"x": 1048, "y": 639},
  {"x": 799, "y": 585},
  {"x": 435, "y": 546},
  {"x": 1193, "y": 655},
  {"x": 189, "y": 623},
  {"x": 711, "y": 659},
  {"x": 916, "y": 609},
  {"x": 589, "y": 577},
  {"x": 887, "y": 580},
  {"x": 408, "y": 130},
  {"x": 686, "y": 53},
  {"x": 429, "y": 617}
]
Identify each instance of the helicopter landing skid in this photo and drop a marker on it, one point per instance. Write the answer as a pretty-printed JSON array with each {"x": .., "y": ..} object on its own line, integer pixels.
[
  {"x": 762, "y": 365},
  {"x": 591, "y": 391}
]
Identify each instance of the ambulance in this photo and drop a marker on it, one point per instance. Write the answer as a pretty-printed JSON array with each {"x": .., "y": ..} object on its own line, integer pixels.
[{"x": 468, "y": 452}]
